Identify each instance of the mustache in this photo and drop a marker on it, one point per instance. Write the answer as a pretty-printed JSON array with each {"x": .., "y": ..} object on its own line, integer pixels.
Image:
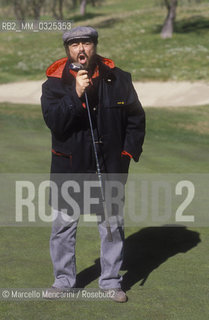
[{"x": 82, "y": 53}]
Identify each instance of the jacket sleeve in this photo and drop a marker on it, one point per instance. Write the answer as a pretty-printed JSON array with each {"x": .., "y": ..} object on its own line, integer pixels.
[
  {"x": 61, "y": 107},
  {"x": 135, "y": 125}
]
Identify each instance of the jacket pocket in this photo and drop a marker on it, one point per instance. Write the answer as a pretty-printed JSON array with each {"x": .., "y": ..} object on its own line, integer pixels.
[
  {"x": 125, "y": 162},
  {"x": 64, "y": 155}
]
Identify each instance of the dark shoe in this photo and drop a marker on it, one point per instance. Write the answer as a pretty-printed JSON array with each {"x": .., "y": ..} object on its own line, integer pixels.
[{"x": 117, "y": 295}]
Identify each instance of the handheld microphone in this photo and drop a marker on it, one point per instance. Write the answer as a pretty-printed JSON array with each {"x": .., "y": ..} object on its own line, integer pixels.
[{"x": 76, "y": 66}]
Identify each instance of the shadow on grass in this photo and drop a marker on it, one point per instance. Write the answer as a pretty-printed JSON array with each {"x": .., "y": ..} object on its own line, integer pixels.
[
  {"x": 192, "y": 24},
  {"x": 87, "y": 16},
  {"x": 195, "y": 23},
  {"x": 145, "y": 251},
  {"x": 105, "y": 23}
]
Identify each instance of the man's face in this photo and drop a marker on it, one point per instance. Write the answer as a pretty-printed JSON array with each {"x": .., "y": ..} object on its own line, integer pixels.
[{"x": 83, "y": 52}]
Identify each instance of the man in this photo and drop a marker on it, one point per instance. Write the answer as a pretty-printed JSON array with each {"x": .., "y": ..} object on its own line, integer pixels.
[{"x": 119, "y": 126}]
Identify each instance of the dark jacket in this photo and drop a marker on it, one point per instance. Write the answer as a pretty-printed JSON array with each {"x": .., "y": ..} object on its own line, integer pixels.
[{"x": 117, "y": 115}]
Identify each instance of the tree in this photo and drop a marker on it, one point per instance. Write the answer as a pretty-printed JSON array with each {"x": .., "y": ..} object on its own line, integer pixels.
[
  {"x": 27, "y": 8},
  {"x": 167, "y": 29},
  {"x": 168, "y": 26},
  {"x": 59, "y": 15},
  {"x": 83, "y": 7},
  {"x": 74, "y": 3},
  {"x": 83, "y": 4},
  {"x": 19, "y": 10},
  {"x": 71, "y": 3},
  {"x": 36, "y": 6}
]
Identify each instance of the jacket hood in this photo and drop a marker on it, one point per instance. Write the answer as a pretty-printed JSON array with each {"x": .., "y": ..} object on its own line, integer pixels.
[{"x": 57, "y": 67}]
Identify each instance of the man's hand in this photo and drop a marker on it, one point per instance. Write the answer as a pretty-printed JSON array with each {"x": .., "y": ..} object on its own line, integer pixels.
[{"x": 82, "y": 82}]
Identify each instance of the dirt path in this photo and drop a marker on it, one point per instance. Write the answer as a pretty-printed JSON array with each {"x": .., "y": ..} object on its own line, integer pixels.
[{"x": 155, "y": 94}]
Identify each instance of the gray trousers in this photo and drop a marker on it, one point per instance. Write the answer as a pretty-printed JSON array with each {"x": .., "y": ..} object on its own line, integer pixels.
[{"x": 62, "y": 250}]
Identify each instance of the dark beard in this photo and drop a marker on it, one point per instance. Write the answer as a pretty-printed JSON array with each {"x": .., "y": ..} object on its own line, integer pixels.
[{"x": 92, "y": 65}]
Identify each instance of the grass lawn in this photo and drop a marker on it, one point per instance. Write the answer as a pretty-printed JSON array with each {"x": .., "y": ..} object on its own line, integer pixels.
[
  {"x": 173, "y": 262},
  {"x": 129, "y": 33}
]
